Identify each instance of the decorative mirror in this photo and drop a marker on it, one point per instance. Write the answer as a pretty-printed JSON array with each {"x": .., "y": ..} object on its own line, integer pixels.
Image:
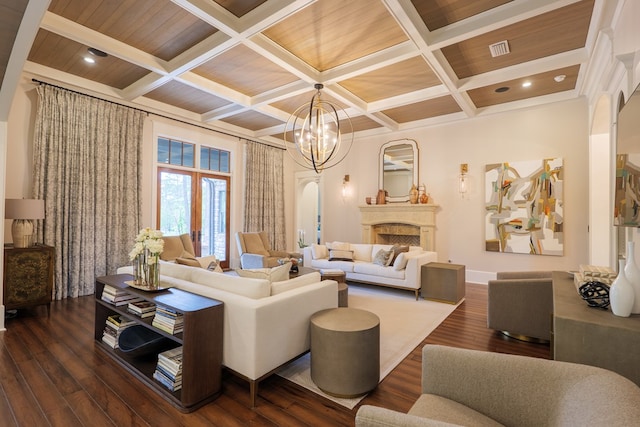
[
  {"x": 398, "y": 169},
  {"x": 627, "y": 191}
]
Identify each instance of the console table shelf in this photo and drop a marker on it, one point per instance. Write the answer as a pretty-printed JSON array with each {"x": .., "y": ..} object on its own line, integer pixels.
[
  {"x": 593, "y": 336},
  {"x": 201, "y": 341}
]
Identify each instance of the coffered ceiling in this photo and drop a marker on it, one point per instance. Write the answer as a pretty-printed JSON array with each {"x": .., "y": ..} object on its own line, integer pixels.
[{"x": 245, "y": 65}]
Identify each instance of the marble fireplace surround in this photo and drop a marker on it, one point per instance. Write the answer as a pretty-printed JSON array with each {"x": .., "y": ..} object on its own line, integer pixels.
[{"x": 400, "y": 223}]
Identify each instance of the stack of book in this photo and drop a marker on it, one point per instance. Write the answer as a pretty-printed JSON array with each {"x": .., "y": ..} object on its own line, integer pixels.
[
  {"x": 169, "y": 369},
  {"x": 117, "y": 296},
  {"x": 114, "y": 326},
  {"x": 168, "y": 320},
  {"x": 142, "y": 308}
]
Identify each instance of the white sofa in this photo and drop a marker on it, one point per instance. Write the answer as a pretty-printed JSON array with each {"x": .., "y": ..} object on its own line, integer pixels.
[
  {"x": 265, "y": 324},
  {"x": 404, "y": 273}
]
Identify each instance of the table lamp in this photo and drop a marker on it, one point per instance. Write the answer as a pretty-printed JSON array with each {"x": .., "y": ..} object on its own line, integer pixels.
[{"x": 23, "y": 211}]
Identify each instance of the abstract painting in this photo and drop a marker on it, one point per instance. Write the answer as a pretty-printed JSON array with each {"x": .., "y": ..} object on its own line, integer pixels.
[{"x": 525, "y": 207}]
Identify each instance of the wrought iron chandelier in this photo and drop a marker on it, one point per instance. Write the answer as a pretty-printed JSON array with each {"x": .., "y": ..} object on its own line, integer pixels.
[{"x": 313, "y": 134}]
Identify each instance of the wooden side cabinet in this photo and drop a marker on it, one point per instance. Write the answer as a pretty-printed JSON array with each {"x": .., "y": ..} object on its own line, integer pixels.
[{"x": 28, "y": 276}]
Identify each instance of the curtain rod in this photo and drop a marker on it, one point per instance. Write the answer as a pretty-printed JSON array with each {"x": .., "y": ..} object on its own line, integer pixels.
[{"x": 155, "y": 114}]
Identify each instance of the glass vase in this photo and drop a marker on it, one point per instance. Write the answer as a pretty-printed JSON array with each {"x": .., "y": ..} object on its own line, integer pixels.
[
  {"x": 621, "y": 293},
  {"x": 138, "y": 269}
]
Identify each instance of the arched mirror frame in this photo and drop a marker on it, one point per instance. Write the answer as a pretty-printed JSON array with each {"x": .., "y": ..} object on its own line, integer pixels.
[{"x": 393, "y": 143}]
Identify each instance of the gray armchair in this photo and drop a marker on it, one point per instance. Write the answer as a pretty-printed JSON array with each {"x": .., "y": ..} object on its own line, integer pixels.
[
  {"x": 255, "y": 250},
  {"x": 469, "y": 387},
  {"x": 520, "y": 304}
]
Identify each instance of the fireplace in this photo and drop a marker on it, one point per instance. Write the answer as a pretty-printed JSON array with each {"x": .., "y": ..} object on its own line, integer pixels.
[{"x": 396, "y": 223}]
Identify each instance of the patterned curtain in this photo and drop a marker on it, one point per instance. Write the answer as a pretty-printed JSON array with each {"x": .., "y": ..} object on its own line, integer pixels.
[
  {"x": 87, "y": 169},
  {"x": 263, "y": 196}
]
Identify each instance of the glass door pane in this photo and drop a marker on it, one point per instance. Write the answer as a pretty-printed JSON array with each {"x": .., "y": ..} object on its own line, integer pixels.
[
  {"x": 214, "y": 216},
  {"x": 174, "y": 202}
]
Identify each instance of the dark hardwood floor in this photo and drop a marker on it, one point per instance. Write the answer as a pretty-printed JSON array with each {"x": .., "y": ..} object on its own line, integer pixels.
[{"x": 51, "y": 374}]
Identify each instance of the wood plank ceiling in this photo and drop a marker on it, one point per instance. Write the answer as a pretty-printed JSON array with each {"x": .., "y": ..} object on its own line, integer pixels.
[{"x": 245, "y": 65}]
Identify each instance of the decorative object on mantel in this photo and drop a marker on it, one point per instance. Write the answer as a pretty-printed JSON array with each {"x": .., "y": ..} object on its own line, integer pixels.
[
  {"x": 313, "y": 134},
  {"x": 621, "y": 293},
  {"x": 632, "y": 273},
  {"x": 22, "y": 211},
  {"x": 413, "y": 195},
  {"x": 596, "y": 294},
  {"x": 424, "y": 197},
  {"x": 145, "y": 256},
  {"x": 381, "y": 199}
]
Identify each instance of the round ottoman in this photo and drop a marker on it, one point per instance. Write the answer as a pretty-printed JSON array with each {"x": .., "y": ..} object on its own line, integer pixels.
[{"x": 345, "y": 351}]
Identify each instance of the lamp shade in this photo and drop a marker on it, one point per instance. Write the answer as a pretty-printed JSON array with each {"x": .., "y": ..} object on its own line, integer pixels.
[{"x": 24, "y": 209}]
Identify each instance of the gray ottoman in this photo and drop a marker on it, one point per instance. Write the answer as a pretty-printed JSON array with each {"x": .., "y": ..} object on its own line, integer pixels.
[{"x": 345, "y": 351}]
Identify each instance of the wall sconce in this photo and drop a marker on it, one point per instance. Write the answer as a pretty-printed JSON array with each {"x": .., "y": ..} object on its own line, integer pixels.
[
  {"x": 22, "y": 211},
  {"x": 462, "y": 179},
  {"x": 345, "y": 187}
]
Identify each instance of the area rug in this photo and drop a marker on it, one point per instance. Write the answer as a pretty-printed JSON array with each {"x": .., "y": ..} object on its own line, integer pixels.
[{"x": 404, "y": 324}]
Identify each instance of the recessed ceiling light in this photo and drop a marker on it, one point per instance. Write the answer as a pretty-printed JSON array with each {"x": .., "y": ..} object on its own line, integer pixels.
[
  {"x": 502, "y": 89},
  {"x": 559, "y": 78},
  {"x": 95, "y": 52},
  {"x": 526, "y": 84},
  {"x": 89, "y": 59}
]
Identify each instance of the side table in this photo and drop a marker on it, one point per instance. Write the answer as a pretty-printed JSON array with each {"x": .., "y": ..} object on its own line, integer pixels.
[
  {"x": 340, "y": 277},
  {"x": 28, "y": 276},
  {"x": 345, "y": 351},
  {"x": 443, "y": 282}
]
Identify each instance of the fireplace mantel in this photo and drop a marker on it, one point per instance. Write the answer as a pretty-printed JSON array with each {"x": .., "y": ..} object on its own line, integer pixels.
[{"x": 421, "y": 217}]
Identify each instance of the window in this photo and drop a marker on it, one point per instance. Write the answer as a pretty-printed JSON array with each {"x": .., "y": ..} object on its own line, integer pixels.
[
  {"x": 175, "y": 152},
  {"x": 214, "y": 160}
]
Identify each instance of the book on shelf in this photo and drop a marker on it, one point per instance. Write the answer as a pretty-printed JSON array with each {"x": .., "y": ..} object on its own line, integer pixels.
[
  {"x": 142, "y": 308},
  {"x": 118, "y": 297},
  {"x": 169, "y": 369},
  {"x": 168, "y": 320},
  {"x": 113, "y": 327}
]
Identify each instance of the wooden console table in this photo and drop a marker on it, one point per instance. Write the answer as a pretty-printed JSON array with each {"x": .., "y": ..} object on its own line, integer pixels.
[
  {"x": 593, "y": 336},
  {"x": 201, "y": 341}
]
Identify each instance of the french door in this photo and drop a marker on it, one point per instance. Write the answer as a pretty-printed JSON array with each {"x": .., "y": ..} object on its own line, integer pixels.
[{"x": 198, "y": 204}]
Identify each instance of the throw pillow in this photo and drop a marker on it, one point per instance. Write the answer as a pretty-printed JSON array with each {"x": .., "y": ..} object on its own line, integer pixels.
[
  {"x": 191, "y": 262},
  {"x": 401, "y": 261},
  {"x": 383, "y": 258},
  {"x": 319, "y": 251},
  {"x": 397, "y": 250},
  {"x": 275, "y": 274},
  {"x": 340, "y": 255},
  {"x": 342, "y": 246}
]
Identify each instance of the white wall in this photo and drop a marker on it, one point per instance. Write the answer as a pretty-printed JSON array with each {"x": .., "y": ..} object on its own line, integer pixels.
[{"x": 557, "y": 130}]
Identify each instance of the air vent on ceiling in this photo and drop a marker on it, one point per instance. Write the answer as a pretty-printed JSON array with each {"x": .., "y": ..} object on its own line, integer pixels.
[{"x": 499, "y": 49}]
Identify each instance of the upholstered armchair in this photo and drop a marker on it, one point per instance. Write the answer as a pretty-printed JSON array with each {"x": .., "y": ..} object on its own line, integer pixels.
[
  {"x": 520, "y": 304},
  {"x": 179, "y": 249},
  {"x": 477, "y": 388},
  {"x": 255, "y": 250}
]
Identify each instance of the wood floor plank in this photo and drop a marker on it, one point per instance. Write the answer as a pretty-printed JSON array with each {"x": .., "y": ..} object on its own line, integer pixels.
[{"x": 51, "y": 373}]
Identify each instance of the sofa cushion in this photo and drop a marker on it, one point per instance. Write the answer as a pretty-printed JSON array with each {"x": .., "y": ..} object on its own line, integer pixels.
[
  {"x": 401, "y": 261},
  {"x": 376, "y": 248},
  {"x": 361, "y": 252},
  {"x": 319, "y": 251},
  {"x": 383, "y": 257},
  {"x": 210, "y": 262},
  {"x": 346, "y": 266},
  {"x": 442, "y": 409},
  {"x": 251, "y": 288},
  {"x": 378, "y": 270},
  {"x": 340, "y": 255},
  {"x": 295, "y": 283},
  {"x": 275, "y": 274}
]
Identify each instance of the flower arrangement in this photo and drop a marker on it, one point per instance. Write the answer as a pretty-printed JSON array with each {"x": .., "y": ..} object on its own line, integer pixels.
[{"x": 145, "y": 255}]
